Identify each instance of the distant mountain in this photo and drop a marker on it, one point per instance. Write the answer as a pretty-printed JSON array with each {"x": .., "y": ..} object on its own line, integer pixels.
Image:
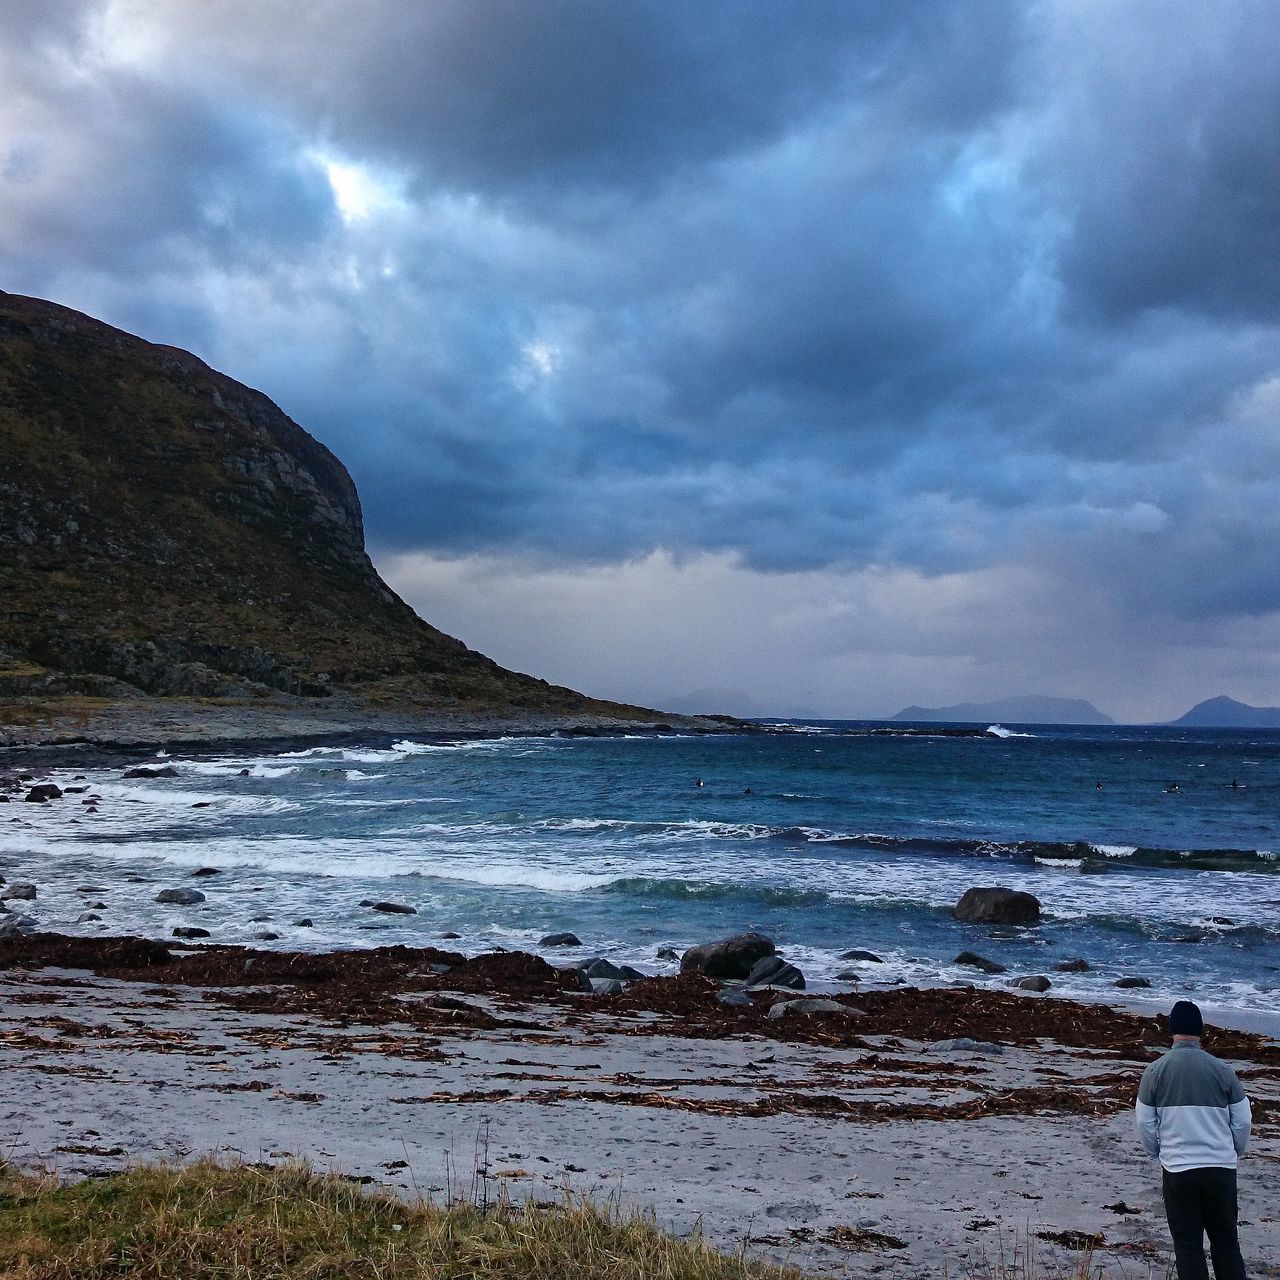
[
  {"x": 1227, "y": 713},
  {"x": 1024, "y": 710}
]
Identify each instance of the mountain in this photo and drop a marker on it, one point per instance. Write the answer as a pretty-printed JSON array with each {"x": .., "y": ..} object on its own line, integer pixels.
[
  {"x": 1030, "y": 709},
  {"x": 1227, "y": 713},
  {"x": 166, "y": 532}
]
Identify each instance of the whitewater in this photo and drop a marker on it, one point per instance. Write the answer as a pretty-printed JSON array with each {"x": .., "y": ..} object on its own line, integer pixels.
[{"x": 1152, "y": 851}]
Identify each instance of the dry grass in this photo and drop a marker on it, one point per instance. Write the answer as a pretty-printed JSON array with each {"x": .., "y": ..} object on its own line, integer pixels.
[{"x": 214, "y": 1222}]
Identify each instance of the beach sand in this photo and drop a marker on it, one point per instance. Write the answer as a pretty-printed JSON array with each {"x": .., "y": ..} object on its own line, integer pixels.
[{"x": 838, "y": 1143}]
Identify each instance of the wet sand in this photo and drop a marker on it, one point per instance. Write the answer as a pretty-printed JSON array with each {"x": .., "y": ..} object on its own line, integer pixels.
[{"x": 847, "y": 1143}]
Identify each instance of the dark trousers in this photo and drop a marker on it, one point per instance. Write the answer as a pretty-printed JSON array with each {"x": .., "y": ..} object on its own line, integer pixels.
[{"x": 1197, "y": 1201}]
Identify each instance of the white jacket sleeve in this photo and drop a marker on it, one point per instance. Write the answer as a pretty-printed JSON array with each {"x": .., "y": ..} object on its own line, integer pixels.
[{"x": 1147, "y": 1122}]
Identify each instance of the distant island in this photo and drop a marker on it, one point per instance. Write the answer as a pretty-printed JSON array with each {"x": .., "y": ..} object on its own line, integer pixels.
[
  {"x": 1028, "y": 709},
  {"x": 1226, "y": 713}
]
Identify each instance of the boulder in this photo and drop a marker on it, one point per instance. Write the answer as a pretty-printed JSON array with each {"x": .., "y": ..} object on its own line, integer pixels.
[
  {"x": 180, "y": 897},
  {"x": 190, "y": 931},
  {"x": 975, "y": 961},
  {"x": 729, "y": 958},
  {"x": 962, "y": 1044},
  {"x": 599, "y": 967},
  {"x": 392, "y": 908},
  {"x": 559, "y": 940},
  {"x": 1071, "y": 966},
  {"x": 20, "y": 889},
  {"x": 450, "y": 935},
  {"x": 631, "y": 974},
  {"x": 576, "y": 978},
  {"x": 812, "y": 1008},
  {"x": 866, "y": 957},
  {"x": 606, "y": 986},
  {"x": 668, "y": 953},
  {"x": 304, "y": 923},
  {"x": 1128, "y": 984},
  {"x": 734, "y": 998},
  {"x": 147, "y": 771},
  {"x": 774, "y": 971},
  {"x": 848, "y": 975},
  {"x": 1035, "y": 983},
  {"x": 266, "y": 936},
  {"x": 42, "y": 792},
  {"x": 86, "y": 916},
  {"x": 997, "y": 905},
  {"x": 11, "y": 925},
  {"x": 207, "y": 871}
]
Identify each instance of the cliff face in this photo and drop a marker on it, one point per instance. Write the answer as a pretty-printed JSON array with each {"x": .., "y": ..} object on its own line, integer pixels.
[{"x": 166, "y": 531}]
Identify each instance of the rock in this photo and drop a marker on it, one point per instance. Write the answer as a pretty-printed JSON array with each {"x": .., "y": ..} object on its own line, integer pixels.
[
  {"x": 97, "y": 906},
  {"x": 729, "y": 958},
  {"x": 304, "y": 923},
  {"x": 12, "y": 925},
  {"x": 450, "y": 934},
  {"x": 266, "y": 936},
  {"x": 1036, "y": 983},
  {"x": 668, "y": 953},
  {"x": 1126, "y": 984},
  {"x": 867, "y": 957},
  {"x": 848, "y": 975},
  {"x": 580, "y": 978},
  {"x": 146, "y": 771},
  {"x": 997, "y": 905},
  {"x": 207, "y": 871},
  {"x": 439, "y": 968},
  {"x": 393, "y": 908},
  {"x": 73, "y": 791},
  {"x": 774, "y": 971},
  {"x": 182, "y": 897},
  {"x": 1071, "y": 966},
  {"x": 559, "y": 940},
  {"x": 244, "y": 773},
  {"x": 811, "y": 1008},
  {"x": 599, "y": 967},
  {"x": 975, "y": 961},
  {"x": 86, "y": 916},
  {"x": 631, "y": 974},
  {"x": 19, "y": 890},
  {"x": 734, "y": 998},
  {"x": 962, "y": 1044},
  {"x": 190, "y": 931},
  {"x": 607, "y": 986},
  {"x": 42, "y": 792}
]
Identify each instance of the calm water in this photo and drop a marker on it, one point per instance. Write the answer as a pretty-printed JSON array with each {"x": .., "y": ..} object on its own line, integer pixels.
[{"x": 825, "y": 839}]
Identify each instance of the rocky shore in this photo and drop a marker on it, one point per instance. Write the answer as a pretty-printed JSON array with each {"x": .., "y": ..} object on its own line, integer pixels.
[{"x": 892, "y": 1127}]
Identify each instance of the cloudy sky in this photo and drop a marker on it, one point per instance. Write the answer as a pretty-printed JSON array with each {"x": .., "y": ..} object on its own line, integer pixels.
[{"x": 843, "y": 355}]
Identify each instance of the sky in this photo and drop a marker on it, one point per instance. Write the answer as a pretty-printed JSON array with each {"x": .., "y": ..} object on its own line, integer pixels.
[{"x": 801, "y": 357}]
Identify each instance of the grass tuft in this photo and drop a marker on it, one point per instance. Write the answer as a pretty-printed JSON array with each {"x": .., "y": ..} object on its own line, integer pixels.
[{"x": 210, "y": 1221}]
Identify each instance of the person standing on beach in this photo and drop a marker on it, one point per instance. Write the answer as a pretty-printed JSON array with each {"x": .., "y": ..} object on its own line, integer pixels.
[{"x": 1192, "y": 1115}]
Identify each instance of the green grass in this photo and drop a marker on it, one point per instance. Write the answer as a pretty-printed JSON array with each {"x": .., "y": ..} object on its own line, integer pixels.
[{"x": 209, "y": 1221}]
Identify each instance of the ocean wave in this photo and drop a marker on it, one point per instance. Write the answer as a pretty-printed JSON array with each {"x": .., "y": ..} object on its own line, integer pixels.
[
  {"x": 674, "y": 889},
  {"x": 999, "y": 731}
]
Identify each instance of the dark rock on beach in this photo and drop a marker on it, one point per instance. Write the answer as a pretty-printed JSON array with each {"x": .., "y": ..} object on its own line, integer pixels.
[
  {"x": 667, "y": 953},
  {"x": 972, "y": 960},
  {"x": 866, "y": 957},
  {"x": 729, "y": 958},
  {"x": 42, "y": 792},
  {"x": 599, "y": 967},
  {"x": 1035, "y": 983},
  {"x": 774, "y": 971},
  {"x": 20, "y": 890},
  {"x": 997, "y": 905},
  {"x": 812, "y": 1009},
  {"x": 304, "y": 923},
  {"x": 735, "y": 998},
  {"x": 180, "y": 897},
  {"x": 1072, "y": 966},
  {"x": 390, "y": 908},
  {"x": 147, "y": 771},
  {"x": 559, "y": 940},
  {"x": 190, "y": 931},
  {"x": 206, "y": 871},
  {"x": 1129, "y": 984}
]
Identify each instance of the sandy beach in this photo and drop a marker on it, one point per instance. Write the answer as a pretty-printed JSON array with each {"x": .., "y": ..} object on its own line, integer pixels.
[{"x": 920, "y": 1128}]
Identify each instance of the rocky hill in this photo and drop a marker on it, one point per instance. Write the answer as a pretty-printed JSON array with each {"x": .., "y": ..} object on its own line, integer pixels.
[
  {"x": 1226, "y": 713},
  {"x": 1028, "y": 709},
  {"x": 167, "y": 533}
]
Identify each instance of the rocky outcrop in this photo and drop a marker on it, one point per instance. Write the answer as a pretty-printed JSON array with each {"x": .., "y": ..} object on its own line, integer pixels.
[
  {"x": 997, "y": 905},
  {"x": 167, "y": 532}
]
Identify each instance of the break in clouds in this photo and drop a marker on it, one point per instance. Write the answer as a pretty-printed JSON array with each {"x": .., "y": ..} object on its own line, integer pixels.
[{"x": 850, "y": 355}]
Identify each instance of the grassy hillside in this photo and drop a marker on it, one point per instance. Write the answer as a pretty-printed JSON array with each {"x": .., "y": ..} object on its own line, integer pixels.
[{"x": 167, "y": 531}]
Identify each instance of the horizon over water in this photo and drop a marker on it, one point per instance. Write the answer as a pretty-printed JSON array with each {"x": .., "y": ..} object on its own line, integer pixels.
[{"x": 826, "y": 838}]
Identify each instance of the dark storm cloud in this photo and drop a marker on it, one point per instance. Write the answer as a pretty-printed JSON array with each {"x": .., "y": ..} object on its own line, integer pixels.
[{"x": 939, "y": 286}]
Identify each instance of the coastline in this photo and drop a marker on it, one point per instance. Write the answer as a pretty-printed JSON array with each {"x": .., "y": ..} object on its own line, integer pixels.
[{"x": 872, "y": 1127}]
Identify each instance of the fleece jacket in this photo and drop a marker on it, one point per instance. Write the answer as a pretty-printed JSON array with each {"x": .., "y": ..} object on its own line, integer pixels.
[{"x": 1191, "y": 1111}]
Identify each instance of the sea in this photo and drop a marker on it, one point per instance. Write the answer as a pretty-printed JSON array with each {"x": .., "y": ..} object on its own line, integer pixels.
[{"x": 1153, "y": 851}]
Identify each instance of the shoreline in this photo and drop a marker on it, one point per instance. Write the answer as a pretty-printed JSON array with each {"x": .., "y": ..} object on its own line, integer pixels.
[{"x": 932, "y": 1124}]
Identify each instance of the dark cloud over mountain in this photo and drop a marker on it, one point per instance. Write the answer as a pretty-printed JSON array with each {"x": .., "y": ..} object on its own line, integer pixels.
[{"x": 938, "y": 289}]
